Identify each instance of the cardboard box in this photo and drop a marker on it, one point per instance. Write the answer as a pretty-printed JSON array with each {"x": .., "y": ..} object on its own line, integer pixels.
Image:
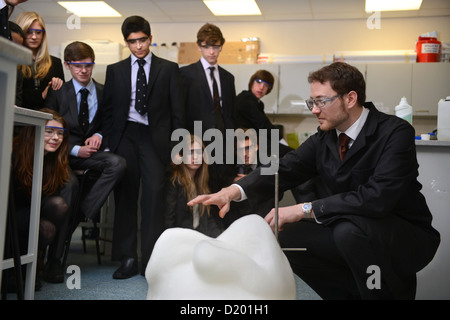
[{"x": 232, "y": 53}]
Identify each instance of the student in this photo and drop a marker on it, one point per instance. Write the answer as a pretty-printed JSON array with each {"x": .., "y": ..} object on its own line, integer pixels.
[
  {"x": 198, "y": 84},
  {"x": 46, "y": 71},
  {"x": 250, "y": 108},
  {"x": 17, "y": 34},
  {"x": 85, "y": 140},
  {"x": 369, "y": 211},
  {"x": 142, "y": 106},
  {"x": 18, "y": 37},
  {"x": 6, "y": 9},
  {"x": 190, "y": 178},
  {"x": 246, "y": 162},
  {"x": 54, "y": 214},
  {"x": 213, "y": 108}
]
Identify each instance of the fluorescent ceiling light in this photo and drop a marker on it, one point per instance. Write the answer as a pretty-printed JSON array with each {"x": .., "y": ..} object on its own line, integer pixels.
[
  {"x": 90, "y": 8},
  {"x": 392, "y": 5},
  {"x": 233, "y": 7}
]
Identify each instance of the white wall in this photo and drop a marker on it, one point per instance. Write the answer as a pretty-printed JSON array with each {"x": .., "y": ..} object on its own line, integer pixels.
[
  {"x": 290, "y": 38},
  {"x": 286, "y": 38}
]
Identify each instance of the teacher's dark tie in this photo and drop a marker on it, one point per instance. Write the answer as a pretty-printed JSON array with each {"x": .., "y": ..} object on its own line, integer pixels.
[
  {"x": 141, "y": 89},
  {"x": 83, "y": 116},
  {"x": 343, "y": 144},
  {"x": 216, "y": 98}
]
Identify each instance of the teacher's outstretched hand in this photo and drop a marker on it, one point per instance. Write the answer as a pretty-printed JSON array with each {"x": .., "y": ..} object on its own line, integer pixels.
[{"x": 221, "y": 199}]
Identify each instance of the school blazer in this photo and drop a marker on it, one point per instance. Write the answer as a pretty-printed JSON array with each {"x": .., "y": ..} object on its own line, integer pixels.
[
  {"x": 64, "y": 101},
  {"x": 199, "y": 101},
  {"x": 165, "y": 108}
]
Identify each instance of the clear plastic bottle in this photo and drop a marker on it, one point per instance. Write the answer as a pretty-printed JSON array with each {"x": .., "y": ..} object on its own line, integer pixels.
[
  {"x": 443, "y": 127},
  {"x": 404, "y": 110}
]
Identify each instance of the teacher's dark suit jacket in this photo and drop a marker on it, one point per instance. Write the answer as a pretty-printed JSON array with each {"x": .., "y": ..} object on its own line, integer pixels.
[
  {"x": 199, "y": 101},
  {"x": 64, "y": 101},
  {"x": 165, "y": 108},
  {"x": 377, "y": 179}
]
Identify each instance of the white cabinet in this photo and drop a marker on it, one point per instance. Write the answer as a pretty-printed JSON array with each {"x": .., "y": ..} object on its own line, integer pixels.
[
  {"x": 423, "y": 84},
  {"x": 430, "y": 83},
  {"x": 295, "y": 88},
  {"x": 386, "y": 84}
]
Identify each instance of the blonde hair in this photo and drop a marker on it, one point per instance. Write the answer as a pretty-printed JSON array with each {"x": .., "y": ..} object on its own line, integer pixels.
[
  {"x": 43, "y": 62},
  {"x": 197, "y": 185}
]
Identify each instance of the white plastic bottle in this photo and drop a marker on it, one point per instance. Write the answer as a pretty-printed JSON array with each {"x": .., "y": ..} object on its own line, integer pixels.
[
  {"x": 404, "y": 110},
  {"x": 443, "y": 127}
]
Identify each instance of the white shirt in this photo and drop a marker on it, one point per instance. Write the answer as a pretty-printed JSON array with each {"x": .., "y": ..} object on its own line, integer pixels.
[
  {"x": 206, "y": 66},
  {"x": 356, "y": 127},
  {"x": 133, "y": 115},
  {"x": 93, "y": 105}
]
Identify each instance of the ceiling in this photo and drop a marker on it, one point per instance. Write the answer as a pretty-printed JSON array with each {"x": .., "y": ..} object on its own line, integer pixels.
[{"x": 167, "y": 11}]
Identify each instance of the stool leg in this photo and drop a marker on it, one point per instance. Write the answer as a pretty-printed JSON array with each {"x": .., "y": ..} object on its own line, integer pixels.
[
  {"x": 97, "y": 245},
  {"x": 75, "y": 220},
  {"x": 12, "y": 225}
]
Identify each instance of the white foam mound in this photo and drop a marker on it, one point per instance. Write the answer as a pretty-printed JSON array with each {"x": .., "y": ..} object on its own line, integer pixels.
[{"x": 244, "y": 262}]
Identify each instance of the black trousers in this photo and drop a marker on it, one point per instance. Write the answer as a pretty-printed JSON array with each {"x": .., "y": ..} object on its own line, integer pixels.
[
  {"x": 144, "y": 171},
  {"x": 340, "y": 258},
  {"x": 112, "y": 168}
]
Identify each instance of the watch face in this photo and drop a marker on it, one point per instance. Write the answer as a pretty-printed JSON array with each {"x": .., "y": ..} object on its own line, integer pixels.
[{"x": 307, "y": 206}]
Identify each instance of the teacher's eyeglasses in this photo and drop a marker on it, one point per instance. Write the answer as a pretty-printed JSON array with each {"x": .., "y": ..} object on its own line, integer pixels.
[{"x": 320, "y": 103}]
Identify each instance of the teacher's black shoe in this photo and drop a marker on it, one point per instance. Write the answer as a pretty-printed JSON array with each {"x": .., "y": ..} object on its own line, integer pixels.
[{"x": 127, "y": 269}]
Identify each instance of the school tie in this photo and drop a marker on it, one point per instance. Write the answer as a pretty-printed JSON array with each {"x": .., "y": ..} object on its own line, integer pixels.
[
  {"x": 141, "y": 89},
  {"x": 83, "y": 116},
  {"x": 216, "y": 98},
  {"x": 343, "y": 144}
]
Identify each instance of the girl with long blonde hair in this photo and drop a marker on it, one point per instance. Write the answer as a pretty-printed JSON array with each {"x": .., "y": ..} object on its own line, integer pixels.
[
  {"x": 189, "y": 179},
  {"x": 46, "y": 71}
]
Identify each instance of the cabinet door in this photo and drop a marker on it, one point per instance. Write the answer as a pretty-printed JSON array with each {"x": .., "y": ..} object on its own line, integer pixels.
[
  {"x": 295, "y": 88},
  {"x": 387, "y": 83},
  {"x": 431, "y": 82}
]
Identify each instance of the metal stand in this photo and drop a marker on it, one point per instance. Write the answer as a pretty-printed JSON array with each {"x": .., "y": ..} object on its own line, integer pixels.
[{"x": 276, "y": 215}]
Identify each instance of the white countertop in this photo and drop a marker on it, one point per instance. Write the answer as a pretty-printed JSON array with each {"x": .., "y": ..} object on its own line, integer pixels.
[{"x": 433, "y": 143}]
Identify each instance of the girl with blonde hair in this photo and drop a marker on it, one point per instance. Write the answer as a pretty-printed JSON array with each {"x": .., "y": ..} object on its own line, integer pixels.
[
  {"x": 189, "y": 179},
  {"x": 45, "y": 71}
]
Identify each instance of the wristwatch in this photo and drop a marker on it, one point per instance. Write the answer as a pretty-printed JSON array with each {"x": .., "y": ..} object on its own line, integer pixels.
[{"x": 307, "y": 208}]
